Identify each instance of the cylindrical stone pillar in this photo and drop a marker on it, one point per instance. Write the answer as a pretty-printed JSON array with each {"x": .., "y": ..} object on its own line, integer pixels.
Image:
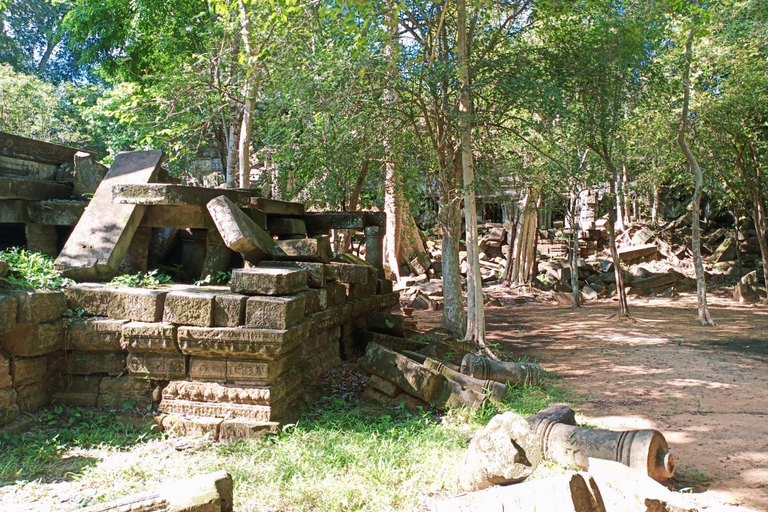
[{"x": 486, "y": 369}]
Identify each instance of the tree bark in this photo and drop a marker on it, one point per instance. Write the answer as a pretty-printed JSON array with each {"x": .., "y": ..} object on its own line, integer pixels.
[
  {"x": 475, "y": 312},
  {"x": 575, "y": 214},
  {"x": 454, "y": 317},
  {"x": 251, "y": 89},
  {"x": 701, "y": 285},
  {"x": 620, "y": 291}
]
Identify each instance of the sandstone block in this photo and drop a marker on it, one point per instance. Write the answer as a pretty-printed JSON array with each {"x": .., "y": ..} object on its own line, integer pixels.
[
  {"x": 94, "y": 334},
  {"x": 216, "y": 392},
  {"x": 7, "y": 400},
  {"x": 275, "y": 207},
  {"x": 410, "y": 376},
  {"x": 274, "y": 312},
  {"x": 240, "y": 428},
  {"x": 229, "y": 310},
  {"x": 268, "y": 281},
  {"x": 189, "y": 308},
  {"x": 239, "y": 343},
  {"x": 239, "y": 232},
  {"x": 80, "y": 362},
  {"x": 158, "y": 367},
  {"x": 231, "y": 410},
  {"x": 337, "y": 294},
  {"x": 77, "y": 390},
  {"x": 33, "y": 396},
  {"x": 280, "y": 226},
  {"x": 149, "y": 337},
  {"x": 315, "y": 299},
  {"x": 192, "y": 427},
  {"x": 138, "y": 304},
  {"x": 316, "y": 272},
  {"x": 7, "y": 313},
  {"x": 37, "y": 306},
  {"x": 26, "y": 370},
  {"x": 351, "y": 274},
  {"x": 207, "y": 368},
  {"x": 117, "y": 391},
  {"x": 305, "y": 249},
  {"x": 383, "y": 386},
  {"x": 384, "y": 286},
  {"x": 262, "y": 372},
  {"x": 29, "y": 340},
  {"x": 5, "y": 372},
  {"x": 92, "y": 298},
  {"x": 360, "y": 291}
]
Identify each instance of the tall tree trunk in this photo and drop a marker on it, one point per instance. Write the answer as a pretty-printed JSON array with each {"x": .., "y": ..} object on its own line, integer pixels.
[
  {"x": 454, "y": 318},
  {"x": 574, "y": 214},
  {"x": 510, "y": 223},
  {"x": 251, "y": 89},
  {"x": 620, "y": 291},
  {"x": 655, "y": 207},
  {"x": 625, "y": 195},
  {"x": 761, "y": 223},
  {"x": 475, "y": 310},
  {"x": 234, "y": 121},
  {"x": 701, "y": 284},
  {"x": 354, "y": 198},
  {"x": 523, "y": 252}
]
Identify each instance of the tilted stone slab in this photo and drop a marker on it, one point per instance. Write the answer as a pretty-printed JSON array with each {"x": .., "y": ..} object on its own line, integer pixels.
[
  {"x": 229, "y": 310},
  {"x": 116, "y": 391},
  {"x": 316, "y": 272},
  {"x": 101, "y": 238},
  {"x": 138, "y": 304},
  {"x": 264, "y": 312},
  {"x": 150, "y": 338},
  {"x": 239, "y": 232},
  {"x": 216, "y": 392},
  {"x": 268, "y": 281},
  {"x": 94, "y": 334},
  {"x": 275, "y": 207},
  {"x": 239, "y": 343},
  {"x": 262, "y": 372},
  {"x": 8, "y": 307},
  {"x": 32, "y": 190},
  {"x": 81, "y": 362},
  {"x": 410, "y": 376},
  {"x": 92, "y": 298},
  {"x": 189, "y": 308},
  {"x": 37, "y": 306},
  {"x": 159, "y": 367},
  {"x": 169, "y": 194},
  {"x": 26, "y": 370},
  {"x": 207, "y": 368},
  {"x": 29, "y": 340},
  {"x": 304, "y": 249}
]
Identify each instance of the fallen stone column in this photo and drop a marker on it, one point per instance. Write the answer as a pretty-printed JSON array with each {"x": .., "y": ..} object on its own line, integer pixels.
[
  {"x": 408, "y": 375},
  {"x": 576, "y": 492},
  {"x": 644, "y": 450},
  {"x": 205, "y": 493},
  {"x": 491, "y": 389},
  {"x": 486, "y": 369}
]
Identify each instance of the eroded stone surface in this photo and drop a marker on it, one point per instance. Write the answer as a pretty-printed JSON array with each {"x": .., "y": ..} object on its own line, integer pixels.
[
  {"x": 29, "y": 340},
  {"x": 262, "y": 372},
  {"x": 158, "y": 367},
  {"x": 115, "y": 391},
  {"x": 239, "y": 343},
  {"x": 268, "y": 281},
  {"x": 189, "y": 308},
  {"x": 37, "y": 306},
  {"x": 138, "y": 304},
  {"x": 26, "y": 370},
  {"x": 263, "y": 312},
  {"x": 150, "y": 337},
  {"x": 215, "y": 392},
  {"x": 229, "y": 310},
  {"x": 207, "y": 368},
  {"x": 7, "y": 313},
  {"x": 81, "y": 362},
  {"x": 316, "y": 272},
  {"x": 239, "y": 232},
  {"x": 94, "y": 334},
  {"x": 305, "y": 249},
  {"x": 92, "y": 298}
]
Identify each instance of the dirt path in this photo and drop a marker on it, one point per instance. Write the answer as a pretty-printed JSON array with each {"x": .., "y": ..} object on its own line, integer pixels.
[{"x": 705, "y": 389}]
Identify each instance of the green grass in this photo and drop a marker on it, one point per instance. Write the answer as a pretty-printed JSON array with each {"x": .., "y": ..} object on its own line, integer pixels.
[{"x": 344, "y": 455}]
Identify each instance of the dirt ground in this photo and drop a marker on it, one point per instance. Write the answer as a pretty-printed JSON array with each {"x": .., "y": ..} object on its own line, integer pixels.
[{"x": 705, "y": 389}]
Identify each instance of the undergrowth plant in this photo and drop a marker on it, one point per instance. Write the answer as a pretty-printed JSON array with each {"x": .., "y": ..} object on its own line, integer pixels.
[
  {"x": 30, "y": 270},
  {"x": 151, "y": 279}
]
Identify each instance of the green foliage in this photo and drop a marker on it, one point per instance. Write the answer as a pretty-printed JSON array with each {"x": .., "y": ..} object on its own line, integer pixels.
[
  {"x": 151, "y": 279},
  {"x": 37, "y": 451},
  {"x": 221, "y": 277},
  {"x": 30, "y": 270}
]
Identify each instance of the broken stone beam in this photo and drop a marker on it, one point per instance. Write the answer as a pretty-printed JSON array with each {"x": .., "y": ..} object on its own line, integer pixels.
[
  {"x": 644, "y": 450},
  {"x": 575, "y": 492},
  {"x": 239, "y": 232},
  {"x": 15, "y": 146},
  {"x": 176, "y": 216},
  {"x": 386, "y": 323},
  {"x": 167, "y": 194},
  {"x": 31, "y": 190},
  {"x": 408, "y": 375},
  {"x": 492, "y": 389},
  {"x": 623, "y": 488},
  {"x": 485, "y": 369},
  {"x": 275, "y": 207},
  {"x": 637, "y": 252},
  {"x": 657, "y": 281},
  {"x": 343, "y": 220},
  {"x": 205, "y": 493},
  {"x": 304, "y": 249},
  {"x": 103, "y": 234},
  {"x": 504, "y": 452}
]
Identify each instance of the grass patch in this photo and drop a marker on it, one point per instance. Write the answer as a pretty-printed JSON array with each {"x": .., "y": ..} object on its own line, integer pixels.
[
  {"x": 30, "y": 270},
  {"x": 344, "y": 455}
]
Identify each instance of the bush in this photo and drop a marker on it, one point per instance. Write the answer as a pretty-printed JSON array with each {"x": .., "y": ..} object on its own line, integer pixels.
[{"x": 30, "y": 270}]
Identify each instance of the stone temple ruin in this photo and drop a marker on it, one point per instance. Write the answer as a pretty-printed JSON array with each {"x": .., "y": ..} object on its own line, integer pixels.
[{"x": 228, "y": 360}]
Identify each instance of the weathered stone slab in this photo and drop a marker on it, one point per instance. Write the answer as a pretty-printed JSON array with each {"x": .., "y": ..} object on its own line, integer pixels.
[
  {"x": 169, "y": 194},
  {"x": 410, "y": 376},
  {"x": 33, "y": 396},
  {"x": 726, "y": 251},
  {"x": 384, "y": 286},
  {"x": 330, "y": 318},
  {"x": 94, "y": 334},
  {"x": 138, "y": 304},
  {"x": 24, "y": 148},
  {"x": 657, "y": 281},
  {"x": 239, "y": 232},
  {"x": 264, "y": 312},
  {"x": 80, "y": 362},
  {"x": 116, "y": 391},
  {"x": 41, "y": 238},
  {"x": 316, "y": 299},
  {"x": 305, "y": 249},
  {"x": 7, "y": 401},
  {"x": 32, "y": 190},
  {"x": 29, "y": 340},
  {"x": 252, "y": 412},
  {"x": 101, "y": 238},
  {"x": 386, "y": 323},
  {"x": 152, "y": 338},
  {"x": 337, "y": 294},
  {"x": 229, "y": 310},
  {"x": 92, "y": 298},
  {"x": 281, "y": 226},
  {"x": 26, "y": 370},
  {"x": 383, "y": 386},
  {"x": 189, "y": 308},
  {"x": 37, "y": 306},
  {"x": 268, "y": 281},
  {"x": 207, "y": 368},
  {"x": 13, "y": 211},
  {"x": 316, "y": 272},
  {"x": 159, "y": 367},
  {"x": 262, "y": 372},
  {"x": 216, "y": 392},
  {"x": 360, "y": 291},
  {"x": 246, "y": 429},
  {"x": 8, "y": 308},
  {"x": 191, "y": 427},
  {"x": 750, "y": 287},
  {"x": 349, "y": 273},
  {"x": 275, "y": 207},
  {"x": 56, "y": 213},
  {"x": 636, "y": 252},
  {"x": 5, "y": 372},
  {"x": 88, "y": 173},
  {"x": 77, "y": 391},
  {"x": 177, "y": 216},
  {"x": 239, "y": 343}
]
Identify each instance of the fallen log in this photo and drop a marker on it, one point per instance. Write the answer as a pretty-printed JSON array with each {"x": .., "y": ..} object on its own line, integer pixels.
[
  {"x": 486, "y": 369},
  {"x": 568, "y": 444}
]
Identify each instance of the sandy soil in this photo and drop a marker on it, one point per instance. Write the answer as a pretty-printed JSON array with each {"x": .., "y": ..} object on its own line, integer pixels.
[{"x": 705, "y": 389}]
